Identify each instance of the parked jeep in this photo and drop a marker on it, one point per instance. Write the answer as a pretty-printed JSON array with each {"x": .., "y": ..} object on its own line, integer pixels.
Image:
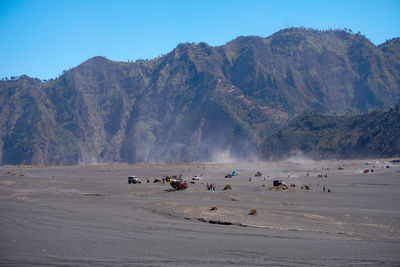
[{"x": 134, "y": 180}]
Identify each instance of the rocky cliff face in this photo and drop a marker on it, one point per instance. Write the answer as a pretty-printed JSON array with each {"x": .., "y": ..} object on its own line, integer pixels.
[{"x": 195, "y": 101}]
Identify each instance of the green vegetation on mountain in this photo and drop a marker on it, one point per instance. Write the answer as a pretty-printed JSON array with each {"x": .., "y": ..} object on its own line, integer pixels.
[
  {"x": 196, "y": 100},
  {"x": 375, "y": 134}
]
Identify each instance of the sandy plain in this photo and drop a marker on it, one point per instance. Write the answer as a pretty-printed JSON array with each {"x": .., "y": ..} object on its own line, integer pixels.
[{"x": 91, "y": 216}]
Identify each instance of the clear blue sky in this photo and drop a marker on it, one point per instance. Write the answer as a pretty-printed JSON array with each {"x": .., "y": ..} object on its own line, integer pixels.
[{"x": 42, "y": 38}]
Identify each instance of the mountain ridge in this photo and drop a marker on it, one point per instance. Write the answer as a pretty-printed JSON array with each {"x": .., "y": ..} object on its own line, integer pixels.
[{"x": 194, "y": 101}]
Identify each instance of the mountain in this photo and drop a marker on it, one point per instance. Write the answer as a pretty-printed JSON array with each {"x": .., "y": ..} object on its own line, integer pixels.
[
  {"x": 375, "y": 134},
  {"x": 196, "y": 101}
]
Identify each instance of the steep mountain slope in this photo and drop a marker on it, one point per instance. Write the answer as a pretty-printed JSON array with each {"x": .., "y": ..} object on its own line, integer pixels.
[
  {"x": 195, "y": 101},
  {"x": 375, "y": 134}
]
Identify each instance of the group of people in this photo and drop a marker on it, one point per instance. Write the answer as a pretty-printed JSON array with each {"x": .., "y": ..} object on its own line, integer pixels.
[
  {"x": 324, "y": 189},
  {"x": 157, "y": 180},
  {"x": 211, "y": 187}
]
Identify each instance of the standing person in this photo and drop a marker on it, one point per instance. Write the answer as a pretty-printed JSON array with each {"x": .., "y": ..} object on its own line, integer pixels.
[
  {"x": 208, "y": 188},
  {"x": 323, "y": 188},
  {"x": 214, "y": 186}
]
